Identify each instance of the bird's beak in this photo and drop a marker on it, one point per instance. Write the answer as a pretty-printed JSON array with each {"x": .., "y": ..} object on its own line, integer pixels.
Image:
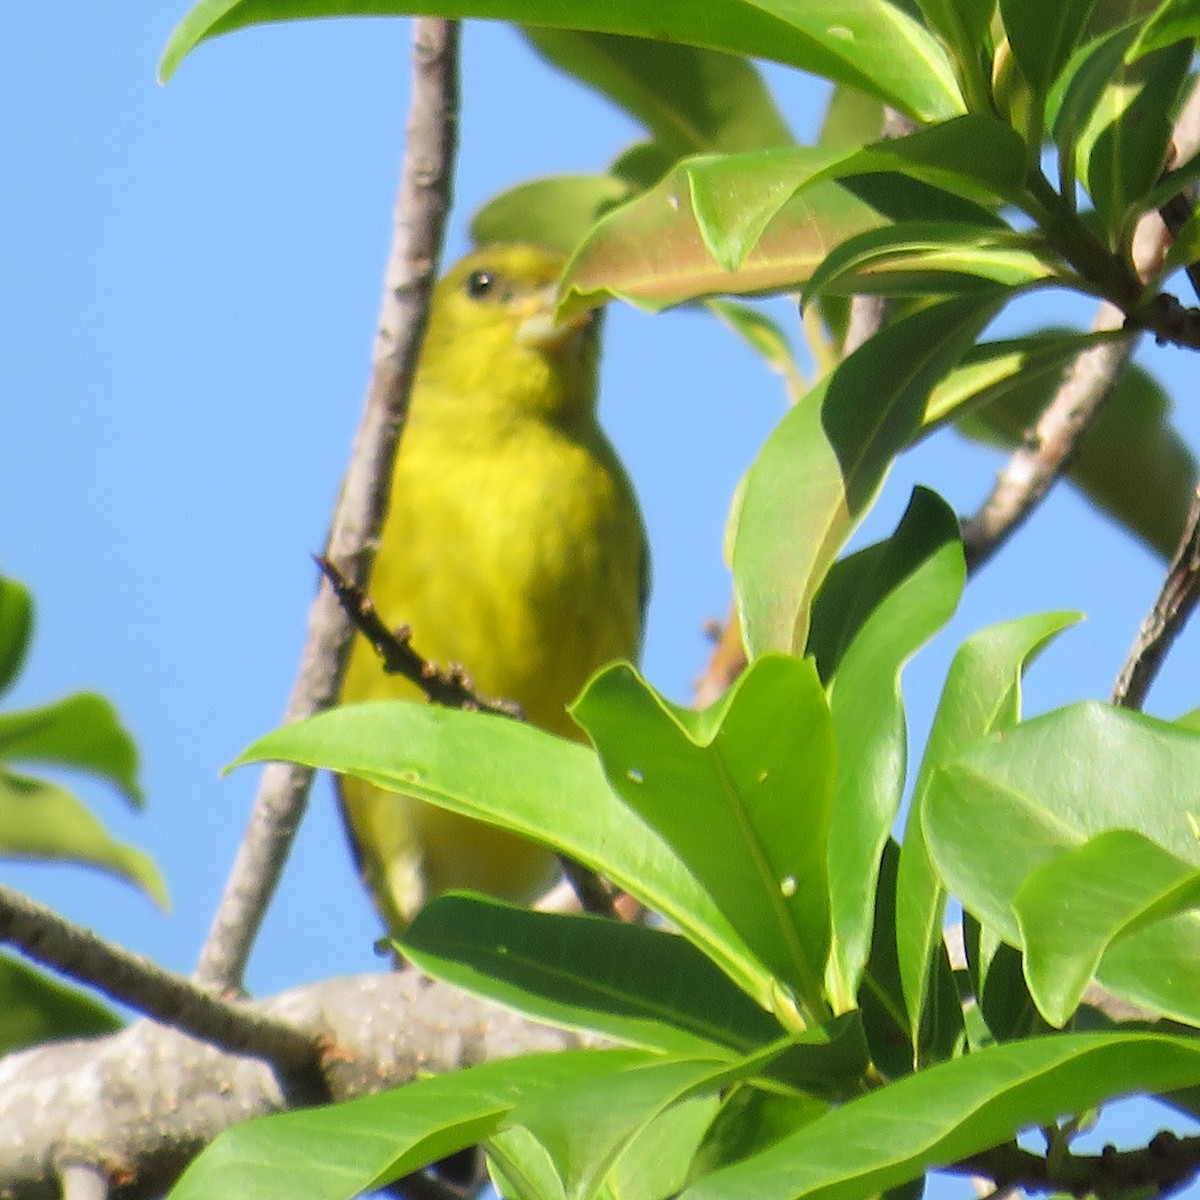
[{"x": 540, "y": 330}]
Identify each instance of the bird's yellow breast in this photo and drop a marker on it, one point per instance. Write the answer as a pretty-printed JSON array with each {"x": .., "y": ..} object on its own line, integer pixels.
[{"x": 513, "y": 546}]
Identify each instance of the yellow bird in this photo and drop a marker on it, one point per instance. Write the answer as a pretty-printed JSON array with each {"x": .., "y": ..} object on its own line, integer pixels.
[{"x": 513, "y": 545}]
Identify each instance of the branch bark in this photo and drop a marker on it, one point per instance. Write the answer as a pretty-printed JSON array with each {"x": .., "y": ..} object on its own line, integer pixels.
[
  {"x": 1049, "y": 448},
  {"x": 136, "y": 1107},
  {"x": 421, "y": 207}
]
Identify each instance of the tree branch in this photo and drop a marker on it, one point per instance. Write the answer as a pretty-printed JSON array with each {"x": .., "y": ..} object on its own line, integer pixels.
[
  {"x": 1050, "y": 447},
  {"x": 421, "y": 207},
  {"x": 1164, "y": 623},
  {"x": 171, "y": 999},
  {"x": 1167, "y": 1164},
  {"x": 142, "y": 1103}
]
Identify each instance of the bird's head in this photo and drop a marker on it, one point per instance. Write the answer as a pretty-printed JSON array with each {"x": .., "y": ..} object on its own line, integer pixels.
[{"x": 493, "y": 330}]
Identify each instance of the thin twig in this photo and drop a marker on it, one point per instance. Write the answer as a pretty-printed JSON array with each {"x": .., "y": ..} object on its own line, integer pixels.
[
  {"x": 1048, "y": 449},
  {"x": 450, "y": 687},
  {"x": 1163, "y": 624},
  {"x": 138, "y": 981},
  {"x": 1087, "y": 385},
  {"x": 421, "y": 207}
]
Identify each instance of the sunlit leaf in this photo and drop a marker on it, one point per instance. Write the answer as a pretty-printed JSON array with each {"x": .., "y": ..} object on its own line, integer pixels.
[
  {"x": 638, "y": 985},
  {"x": 757, "y": 770},
  {"x": 824, "y": 463},
  {"x": 872, "y": 45}
]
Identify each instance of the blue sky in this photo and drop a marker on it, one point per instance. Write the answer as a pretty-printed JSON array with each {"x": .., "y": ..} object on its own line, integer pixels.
[{"x": 191, "y": 278}]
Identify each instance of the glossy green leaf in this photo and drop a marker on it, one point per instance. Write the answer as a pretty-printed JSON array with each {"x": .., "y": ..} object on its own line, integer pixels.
[
  {"x": 965, "y": 26},
  {"x": 342, "y": 1150},
  {"x": 750, "y": 1120},
  {"x": 690, "y": 100},
  {"x": 757, "y": 771},
  {"x": 1185, "y": 247},
  {"x": 824, "y": 463},
  {"x": 736, "y": 197},
  {"x": 658, "y": 1161},
  {"x": 81, "y": 732},
  {"x": 1043, "y": 36},
  {"x": 993, "y": 372},
  {"x": 638, "y": 985},
  {"x": 44, "y": 821},
  {"x": 982, "y": 693},
  {"x": 16, "y": 628},
  {"x": 951, "y": 1111},
  {"x": 1122, "y": 149},
  {"x": 871, "y": 44},
  {"x": 652, "y": 253},
  {"x": 913, "y": 589},
  {"x": 520, "y": 1168},
  {"x": 556, "y": 212},
  {"x": 1133, "y": 464},
  {"x": 1076, "y": 93},
  {"x": 1073, "y": 907},
  {"x": 36, "y": 1007},
  {"x": 586, "y": 1125},
  {"x": 1172, "y": 21},
  {"x": 1015, "y": 800},
  {"x": 513, "y": 775},
  {"x": 946, "y": 257}
]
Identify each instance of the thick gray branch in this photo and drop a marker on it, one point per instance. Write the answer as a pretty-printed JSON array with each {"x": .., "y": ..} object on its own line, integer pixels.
[{"x": 138, "y": 1105}]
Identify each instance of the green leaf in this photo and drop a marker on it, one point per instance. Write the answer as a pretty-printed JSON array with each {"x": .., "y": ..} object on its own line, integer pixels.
[
  {"x": 756, "y": 769},
  {"x": 824, "y": 463},
  {"x": 871, "y": 45},
  {"x": 982, "y": 693},
  {"x": 1172, "y": 21},
  {"x": 1015, "y": 800},
  {"x": 81, "y": 732},
  {"x": 555, "y": 213},
  {"x": 515, "y": 776},
  {"x": 586, "y": 1125},
  {"x": 965, "y": 26},
  {"x": 1122, "y": 149},
  {"x": 1118, "y": 882},
  {"x": 915, "y": 581},
  {"x": 641, "y": 986},
  {"x": 43, "y": 820},
  {"x": 691, "y": 100},
  {"x": 344, "y": 1149},
  {"x": 651, "y": 251},
  {"x": 953, "y": 1110},
  {"x": 1076, "y": 93},
  {"x": 36, "y": 1007},
  {"x": 736, "y": 197},
  {"x": 750, "y": 1120},
  {"x": 16, "y": 628},
  {"x": 946, "y": 257},
  {"x": 657, "y": 1163},
  {"x": 996, "y": 373},
  {"x": 1043, "y": 36},
  {"x": 520, "y": 1168},
  {"x": 1133, "y": 464}
]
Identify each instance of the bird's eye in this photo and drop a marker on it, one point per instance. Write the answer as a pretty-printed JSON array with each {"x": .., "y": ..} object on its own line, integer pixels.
[{"x": 479, "y": 283}]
